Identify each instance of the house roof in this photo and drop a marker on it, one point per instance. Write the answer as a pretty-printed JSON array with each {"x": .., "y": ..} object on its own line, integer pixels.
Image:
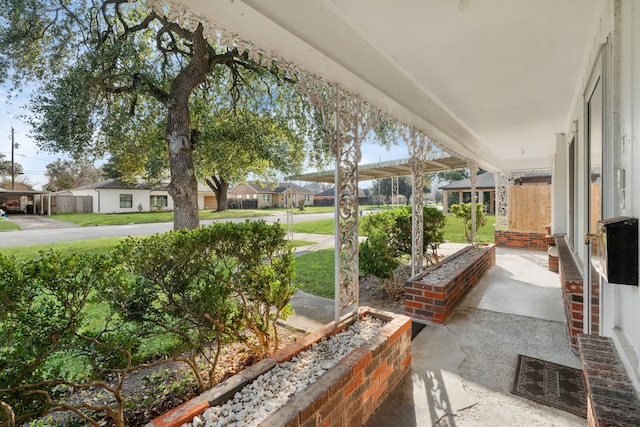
[
  {"x": 139, "y": 184},
  {"x": 332, "y": 192},
  {"x": 273, "y": 189},
  {"x": 483, "y": 180},
  {"x": 281, "y": 188}
]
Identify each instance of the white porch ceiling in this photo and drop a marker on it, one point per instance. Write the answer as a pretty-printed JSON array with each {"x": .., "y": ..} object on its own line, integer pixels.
[{"x": 494, "y": 82}]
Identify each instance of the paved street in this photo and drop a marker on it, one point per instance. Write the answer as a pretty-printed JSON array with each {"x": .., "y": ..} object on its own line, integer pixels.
[{"x": 40, "y": 230}]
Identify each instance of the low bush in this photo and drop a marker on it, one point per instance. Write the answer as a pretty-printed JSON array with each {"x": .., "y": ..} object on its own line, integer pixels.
[
  {"x": 196, "y": 289},
  {"x": 389, "y": 237},
  {"x": 463, "y": 211}
]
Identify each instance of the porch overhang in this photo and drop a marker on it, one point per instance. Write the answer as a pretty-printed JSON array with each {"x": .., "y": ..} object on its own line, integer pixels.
[
  {"x": 492, "y": 83},
  {"x": 381, "y": 170}
]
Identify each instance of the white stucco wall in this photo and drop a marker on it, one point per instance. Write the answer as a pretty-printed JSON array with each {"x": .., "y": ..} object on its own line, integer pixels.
[
  {"x": 626, "y": 198},
  {"x": 107, "y": 201},
  {"x": 616, "y": 38}
]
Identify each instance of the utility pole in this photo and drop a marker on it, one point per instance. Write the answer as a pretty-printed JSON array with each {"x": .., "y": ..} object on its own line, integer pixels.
[{"x": 13, "y": 170}]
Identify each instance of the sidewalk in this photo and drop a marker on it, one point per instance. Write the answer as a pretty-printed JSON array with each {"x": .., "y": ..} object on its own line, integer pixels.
[{"x": 462, "y": 372}]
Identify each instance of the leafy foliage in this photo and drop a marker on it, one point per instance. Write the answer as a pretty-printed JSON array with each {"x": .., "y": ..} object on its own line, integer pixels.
[
  {"x": 389, "y": 235},
  {"x": 463, "y": 211},
  {"x": 199, "y": 287},
  {"x": 383, "y": 188},
  {"x": 119, "y": 78},
  {"x": 66, "y": 174},
  {"x": 5, "y": 167}
]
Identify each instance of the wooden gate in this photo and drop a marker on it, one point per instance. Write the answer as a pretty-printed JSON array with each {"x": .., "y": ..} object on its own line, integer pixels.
[{"x": 529, "y": 208}]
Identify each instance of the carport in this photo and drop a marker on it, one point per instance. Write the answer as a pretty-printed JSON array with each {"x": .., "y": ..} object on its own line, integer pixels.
[{"x": 25, "y": 201}]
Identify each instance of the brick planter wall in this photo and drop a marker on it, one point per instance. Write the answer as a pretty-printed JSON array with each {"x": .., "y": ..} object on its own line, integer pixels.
[
  {"x": 521, "y": 239},
  {"x": 611, "y": 398},
  {"x": 436, "y": 302},
  {"x": 572, "y": 291},
  {"x": 346, "y": 394}
]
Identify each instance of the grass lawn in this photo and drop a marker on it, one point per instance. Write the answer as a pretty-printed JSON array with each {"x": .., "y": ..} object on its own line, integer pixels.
[
  {"x": 8, "y": 225},
  {"x": 102, "y": 245},
  {"x": 453, "y": 229},
  {"x": 321, "y": 226},
  {"x": 89, "y": 246},
  {"x": 314, "y": 272},
  {"x": 90, "y": 219}
]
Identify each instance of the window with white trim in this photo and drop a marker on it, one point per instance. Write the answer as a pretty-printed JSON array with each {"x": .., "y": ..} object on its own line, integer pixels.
[
  {"x": 158, "y": 201},
  {"x": 126, "y": 201}
]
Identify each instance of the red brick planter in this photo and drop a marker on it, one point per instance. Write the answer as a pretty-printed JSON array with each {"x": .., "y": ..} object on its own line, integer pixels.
[
  {"x": 346, "y": 394},
  {"x": 521, "y": 239},
  {"x": 435, "y": 302}
]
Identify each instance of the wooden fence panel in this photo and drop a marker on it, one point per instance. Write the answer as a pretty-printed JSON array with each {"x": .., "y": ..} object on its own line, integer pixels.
[
  {"x": 529, "y": 208},
  {"x": 71, "y": 204}
]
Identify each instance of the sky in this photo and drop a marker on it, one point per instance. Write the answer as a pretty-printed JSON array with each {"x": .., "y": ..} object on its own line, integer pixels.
[{"x": 34, "y": 160}]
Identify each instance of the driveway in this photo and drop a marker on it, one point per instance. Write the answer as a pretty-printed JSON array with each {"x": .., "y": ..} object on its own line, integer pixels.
[{"x": 39, "y": 222}]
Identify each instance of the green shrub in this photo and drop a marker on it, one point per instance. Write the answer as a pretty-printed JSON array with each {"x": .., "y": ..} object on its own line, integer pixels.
[
  {"x": 196, "y": 289},
  {"x": 45, "y": 322},
  {"x": 434, "y": 223},
  {"x": 463, "y": 211},
  {"x": 376, "y": 257},
  {"x": 389, "y": 237}
]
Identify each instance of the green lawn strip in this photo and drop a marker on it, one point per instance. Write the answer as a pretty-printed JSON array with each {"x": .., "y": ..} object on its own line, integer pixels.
[
  {"x": 321, "y": 226},
  {"x": 89, "y": 246},
  {"x": 315, "y": 273},
  {"x": 8, "y": 225},
  {"x": 454, "y": 230},
  {"x": 91, "y": 219}
]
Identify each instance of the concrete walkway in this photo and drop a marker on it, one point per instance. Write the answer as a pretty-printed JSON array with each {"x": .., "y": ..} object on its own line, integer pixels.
[{"x": 462, "y": 372}]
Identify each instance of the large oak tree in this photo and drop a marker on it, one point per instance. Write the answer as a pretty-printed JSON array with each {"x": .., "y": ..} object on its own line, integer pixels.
[{"x": 94, "y": 57}]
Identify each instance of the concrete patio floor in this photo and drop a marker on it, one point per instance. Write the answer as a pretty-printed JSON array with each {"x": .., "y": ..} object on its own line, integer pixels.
[{"x": 462, "y": 372}]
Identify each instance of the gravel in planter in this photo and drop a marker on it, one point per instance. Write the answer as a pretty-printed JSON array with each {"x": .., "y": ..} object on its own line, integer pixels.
[
  {"x": 452, "y": 263},
  {"x": 273, "y": 389}
]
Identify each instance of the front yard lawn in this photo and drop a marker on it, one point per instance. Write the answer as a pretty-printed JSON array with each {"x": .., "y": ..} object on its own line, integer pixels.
[
  {"x": 90, "y": 219},
  {"x": 8, "y": 225}
]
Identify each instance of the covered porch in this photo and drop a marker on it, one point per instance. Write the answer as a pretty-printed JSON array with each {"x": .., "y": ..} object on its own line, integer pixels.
[{"x": 511, "y": 88}]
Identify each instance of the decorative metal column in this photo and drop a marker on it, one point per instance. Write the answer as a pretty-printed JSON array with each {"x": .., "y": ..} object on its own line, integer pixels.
[
  {"x": 347, "y": 119},
  {"x": 349, "y": 129},
  {"x": 502, "y": 200},
  {"x": 473, "y": 168},
  {"x": 419, "y": 145}
]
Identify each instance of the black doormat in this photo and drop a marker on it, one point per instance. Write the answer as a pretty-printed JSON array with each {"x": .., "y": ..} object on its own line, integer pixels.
[{"x": 552, "y": 384}]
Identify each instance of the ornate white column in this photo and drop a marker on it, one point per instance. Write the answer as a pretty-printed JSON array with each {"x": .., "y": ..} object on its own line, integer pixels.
[
  {"x": 502, "y": 200},
  {"x": 350, "y": 128},
  {"x": 419, "y": 145},
  {"x": 473, "y": 167},
  {"x": 346, "y": 121}
]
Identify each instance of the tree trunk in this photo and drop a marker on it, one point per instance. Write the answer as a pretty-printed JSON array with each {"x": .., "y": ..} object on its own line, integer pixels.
[
  {"x": 184, "y": 186},
  {"x": 220, "y": 187}
]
